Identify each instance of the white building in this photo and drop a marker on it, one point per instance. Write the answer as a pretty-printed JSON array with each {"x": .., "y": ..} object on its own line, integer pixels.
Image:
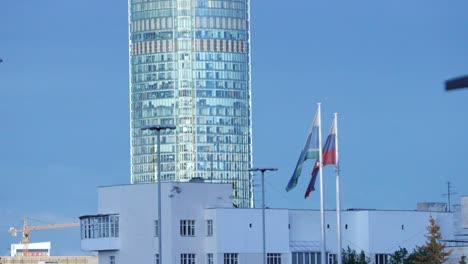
[
  {"x": 34, "y": 249},
  {"x": 200, "y": 225}
]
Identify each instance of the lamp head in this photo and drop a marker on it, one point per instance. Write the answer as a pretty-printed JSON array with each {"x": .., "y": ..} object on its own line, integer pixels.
[
  {"x": 263, "y": 169},
  {"x": 158, "y": 127}
]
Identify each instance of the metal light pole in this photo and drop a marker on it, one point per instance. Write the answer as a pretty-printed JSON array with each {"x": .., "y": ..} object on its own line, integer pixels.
[
  {"x": 158, "y": 129},
  {"x": 263, "y": 206}
]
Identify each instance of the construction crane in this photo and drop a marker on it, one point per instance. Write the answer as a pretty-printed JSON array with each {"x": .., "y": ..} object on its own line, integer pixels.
[{"x": 28, "y": 229}]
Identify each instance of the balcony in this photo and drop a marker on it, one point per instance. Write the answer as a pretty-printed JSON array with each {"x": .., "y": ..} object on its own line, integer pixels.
[{"x": 100, "y": 232}]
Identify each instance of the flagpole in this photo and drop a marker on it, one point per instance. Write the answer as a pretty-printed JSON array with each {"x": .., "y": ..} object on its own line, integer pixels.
[
  {"x": 338, "y": 201},
  {"x": 322, "y": 211}
]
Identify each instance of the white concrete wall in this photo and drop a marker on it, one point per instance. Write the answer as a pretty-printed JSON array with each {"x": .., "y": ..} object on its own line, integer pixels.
[
  {"x": 240, "y": 231},
  {"x": 457, "y": 220},
  {"x": 445, "y": 221},
  {"x": 210, "y": 243},
  {"x": 137, "y": 209},
  {"x": 237, "y": 230},
  {"x": 134, "y": 206},
  {"x": 190, "y": 204},
  {"x": 464, "y": 211},
  {"x": 393, "y": 229},
  {"x": 103, "y": 257},
  {"x": 356, "y": 235},
  {"x": 306, "y": 225},
  {"x": 96, "y": 244},
  {"x": 457, "y": 253},
  {"x": 369, "y": 230}
]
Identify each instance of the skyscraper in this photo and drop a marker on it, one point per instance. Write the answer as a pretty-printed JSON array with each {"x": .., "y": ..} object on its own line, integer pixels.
[{"x": 190, "y": 67}]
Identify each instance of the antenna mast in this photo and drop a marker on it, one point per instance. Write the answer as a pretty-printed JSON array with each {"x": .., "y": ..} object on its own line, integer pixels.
[{"x": 449, "y": 194}]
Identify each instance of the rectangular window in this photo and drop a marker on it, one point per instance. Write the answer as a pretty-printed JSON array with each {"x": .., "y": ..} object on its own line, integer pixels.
[
  {"x": 156, "y": 259},
  {"x": 332, "y": 259},
  {"x": 231, "y": 258},
  {"x": 305, "y": 257},
  {"x": 209, "y": 258},
  {"x": 187, "y": 227},
  {"x": 156, "y": 228},
  {"x": 114, "y": 225},
  {"x": 273, "y": 258},
  {"x": 209, "y": 227},
  {"x": 111, "y": 259},
  {"x": 381, "y": 258},
  {"x": 187, "y": 258}
]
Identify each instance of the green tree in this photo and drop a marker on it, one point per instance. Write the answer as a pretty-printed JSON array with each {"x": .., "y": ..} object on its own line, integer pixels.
[
  {"x": 350, "y": 256},
  {"x": 462, "y": 260},
  {"x": 363, "y": 259},
  {"x": 433, "y": 252},
  {"x": 399, "y": 257},
  {"x": 412, "y": 258}
]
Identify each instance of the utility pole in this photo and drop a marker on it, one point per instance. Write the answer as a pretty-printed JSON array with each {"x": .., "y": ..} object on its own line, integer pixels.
[
  {"x": 263, "y": 207},
  {"x": 449, "y": 194}
]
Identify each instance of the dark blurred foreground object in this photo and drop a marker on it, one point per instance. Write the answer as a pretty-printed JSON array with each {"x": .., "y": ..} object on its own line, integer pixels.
[{"x": 457, "y": 83}]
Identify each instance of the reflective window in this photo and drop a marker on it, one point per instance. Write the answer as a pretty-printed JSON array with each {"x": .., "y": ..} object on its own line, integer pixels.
[{"x": 190, "y": 67}]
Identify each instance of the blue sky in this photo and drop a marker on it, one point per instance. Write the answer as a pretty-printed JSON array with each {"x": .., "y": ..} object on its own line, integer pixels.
[{"x": 380, "y": 64}]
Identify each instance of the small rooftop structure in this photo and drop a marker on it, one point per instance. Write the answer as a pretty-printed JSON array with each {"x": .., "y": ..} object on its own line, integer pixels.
[{"x": 432, "y": 207}]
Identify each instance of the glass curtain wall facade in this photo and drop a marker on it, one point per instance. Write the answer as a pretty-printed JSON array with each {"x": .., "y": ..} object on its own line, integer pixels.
[{"x": 190, "y": 67}]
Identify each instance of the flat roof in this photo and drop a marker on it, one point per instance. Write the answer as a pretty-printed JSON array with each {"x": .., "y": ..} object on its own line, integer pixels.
[{"x": 164, "y": 182}]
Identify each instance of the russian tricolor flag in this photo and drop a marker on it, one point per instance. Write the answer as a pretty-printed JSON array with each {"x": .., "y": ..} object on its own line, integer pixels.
[
  {"x": 329, "y": 149},
  {"x": 328, "y": 157}
]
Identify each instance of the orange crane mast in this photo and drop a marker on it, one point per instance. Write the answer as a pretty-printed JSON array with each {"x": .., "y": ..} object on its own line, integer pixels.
[{"x": 28, "y": 229}]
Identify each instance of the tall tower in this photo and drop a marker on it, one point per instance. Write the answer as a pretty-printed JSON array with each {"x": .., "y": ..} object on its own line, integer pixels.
[{"x": 190, "y": 67}]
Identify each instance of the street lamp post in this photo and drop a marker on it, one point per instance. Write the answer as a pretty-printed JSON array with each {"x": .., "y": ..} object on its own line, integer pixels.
[
  {"x": 158, "y": 129},
  {"x": 263, "y": 205}
]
